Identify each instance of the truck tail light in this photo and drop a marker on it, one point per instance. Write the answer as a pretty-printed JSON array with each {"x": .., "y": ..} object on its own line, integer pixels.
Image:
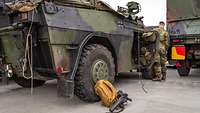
[
  {"x": 178, "y": 53},
  {"x": 178, "y": 65},
  {"x": 190, "y": 51},
  {"x": 178, "y": 40}
]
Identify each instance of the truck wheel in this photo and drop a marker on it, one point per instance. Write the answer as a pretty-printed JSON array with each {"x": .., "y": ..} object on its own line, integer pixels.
[
  {"x": 96, "y": 64},
  {"x": 184, "y": 69},
  {"x": 26, "y": 83}
]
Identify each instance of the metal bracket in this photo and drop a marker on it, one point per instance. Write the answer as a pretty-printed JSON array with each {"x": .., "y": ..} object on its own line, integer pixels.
[{"x": 50, "y": 8}]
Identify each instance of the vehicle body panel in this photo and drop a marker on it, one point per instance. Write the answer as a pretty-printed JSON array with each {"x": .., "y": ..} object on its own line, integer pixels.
[
  {"x": 183, "y": 18},
  {"x": 62, "y": 31}
]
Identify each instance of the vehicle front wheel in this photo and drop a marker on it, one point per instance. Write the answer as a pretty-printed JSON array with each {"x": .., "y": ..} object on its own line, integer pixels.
[{"x": 96, "y": 64}]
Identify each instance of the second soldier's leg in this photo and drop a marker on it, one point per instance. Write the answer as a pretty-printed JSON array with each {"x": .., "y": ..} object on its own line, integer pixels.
[
  {"x": 157, "y": 72},
  {"x": 163, "y": 66},
  {"x": 164, "y": 72}
]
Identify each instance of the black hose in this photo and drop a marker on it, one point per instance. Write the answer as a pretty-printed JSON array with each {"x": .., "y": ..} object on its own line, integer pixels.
[{"x": 79, "y": 55}]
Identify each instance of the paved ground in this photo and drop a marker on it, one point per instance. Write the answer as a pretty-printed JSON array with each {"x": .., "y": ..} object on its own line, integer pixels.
[{"x": 176, "y": 95}]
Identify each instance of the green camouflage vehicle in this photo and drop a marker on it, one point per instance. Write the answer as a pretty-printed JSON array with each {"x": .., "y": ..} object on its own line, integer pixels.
[
  {"x": 183, "y": 18},
  {"x": 76, "y": 42}
]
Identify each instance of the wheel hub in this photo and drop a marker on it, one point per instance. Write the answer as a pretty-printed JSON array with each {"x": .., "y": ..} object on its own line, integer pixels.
[{"x": 100, "y": 70}]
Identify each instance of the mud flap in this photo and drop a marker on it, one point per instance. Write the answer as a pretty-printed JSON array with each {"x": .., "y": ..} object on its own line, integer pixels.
[
  {"x": 65, "y": 87},
  {"x": 4, "y": 79}
]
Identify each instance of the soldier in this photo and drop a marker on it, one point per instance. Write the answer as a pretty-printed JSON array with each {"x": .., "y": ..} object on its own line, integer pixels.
[{"x": 160, "y": 69}]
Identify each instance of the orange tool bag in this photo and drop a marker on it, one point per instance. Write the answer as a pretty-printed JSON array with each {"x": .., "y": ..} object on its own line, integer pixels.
[{"x": 106, "y": 91}]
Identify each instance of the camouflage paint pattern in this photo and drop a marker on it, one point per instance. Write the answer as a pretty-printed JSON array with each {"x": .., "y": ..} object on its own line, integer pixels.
[
  {"x": 11, "y": 50},
  {"x": 182, "y": 9},
  {"x": 183, "y": 18},
  {"x": 59, "y": 35},
  {"x": 81, "y": 23}
]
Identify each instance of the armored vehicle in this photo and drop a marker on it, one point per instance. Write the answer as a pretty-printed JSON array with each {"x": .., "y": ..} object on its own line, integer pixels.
[
  {"x": 183, "y": 18},
  {"x": 76, "y": 42}
]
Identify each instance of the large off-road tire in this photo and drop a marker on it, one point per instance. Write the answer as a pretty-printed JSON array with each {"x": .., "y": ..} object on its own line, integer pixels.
[
  {"x": 96, "y": 64},
  {"x": 184, "y": 69},
  {"x": 26, "y": 83}
]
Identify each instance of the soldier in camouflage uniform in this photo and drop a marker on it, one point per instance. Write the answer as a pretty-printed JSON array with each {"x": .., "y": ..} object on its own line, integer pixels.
[{"x": 161, "y": 56}]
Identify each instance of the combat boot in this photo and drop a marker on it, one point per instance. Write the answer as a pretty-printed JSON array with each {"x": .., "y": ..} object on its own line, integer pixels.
[
  {"x": 164, "y": 76},
  {"x": 157, "y": 78}
]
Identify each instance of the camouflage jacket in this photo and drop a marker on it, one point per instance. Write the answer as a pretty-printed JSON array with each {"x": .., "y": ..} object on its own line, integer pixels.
[{"x": 163, "y": 38}]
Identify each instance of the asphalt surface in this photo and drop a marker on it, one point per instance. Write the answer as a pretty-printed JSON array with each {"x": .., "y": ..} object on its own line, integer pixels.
[{"x": 176, "y": 95}]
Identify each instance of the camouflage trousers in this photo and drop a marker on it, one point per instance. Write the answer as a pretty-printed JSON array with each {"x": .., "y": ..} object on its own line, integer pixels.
[{"x": 159, "y": 68}]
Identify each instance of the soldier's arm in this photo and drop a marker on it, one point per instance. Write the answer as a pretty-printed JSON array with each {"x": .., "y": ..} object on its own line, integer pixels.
[{"x": 167, "y": 40}]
